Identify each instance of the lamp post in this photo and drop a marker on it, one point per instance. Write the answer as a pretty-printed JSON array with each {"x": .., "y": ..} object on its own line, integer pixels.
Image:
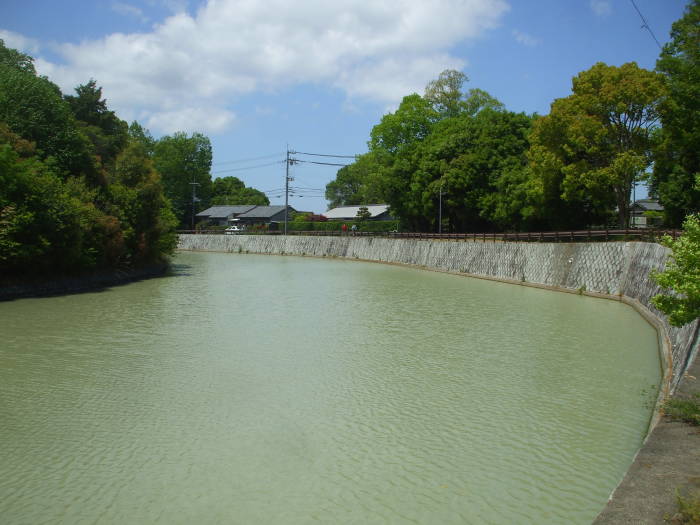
[{"x": 440, "y": 208}]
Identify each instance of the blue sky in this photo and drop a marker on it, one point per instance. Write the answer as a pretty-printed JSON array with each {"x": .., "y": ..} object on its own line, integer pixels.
[{"x": 257, "y": 75}]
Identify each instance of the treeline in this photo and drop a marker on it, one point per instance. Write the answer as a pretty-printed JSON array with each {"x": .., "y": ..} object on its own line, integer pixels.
[
  {"x": 81, "y": 190},
  {"x": 493, "y": 169}
]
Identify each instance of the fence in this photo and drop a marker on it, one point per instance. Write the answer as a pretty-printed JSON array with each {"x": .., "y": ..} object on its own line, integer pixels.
[{"x": 650, "y": 235}]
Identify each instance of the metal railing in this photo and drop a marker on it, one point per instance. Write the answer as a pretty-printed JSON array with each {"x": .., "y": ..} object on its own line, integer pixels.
[{"x": 650, "y": 235}]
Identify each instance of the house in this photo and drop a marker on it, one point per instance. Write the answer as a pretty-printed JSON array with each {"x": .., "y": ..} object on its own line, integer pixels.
[
  {"x": 248, "y": 215},
  {"x": 265, "y": 215},
  {"x": 377, "y": 212},
  {"x": 222, "y": 215},
  {"x": 646, "y": 213}
]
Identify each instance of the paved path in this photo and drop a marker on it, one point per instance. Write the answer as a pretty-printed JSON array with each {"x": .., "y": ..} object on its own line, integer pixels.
[{"x": 668, "y": 461}]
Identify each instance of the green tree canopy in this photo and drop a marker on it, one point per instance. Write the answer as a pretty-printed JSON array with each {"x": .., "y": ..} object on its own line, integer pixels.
[
  {"x": 599, "y": 138},
  {"x": 677, "y": 157},
  {"x": 69, "y": 204},
  {"x": 465, "y": 157},
  {"x": 13, "y": 58},
  {"x": 359, "y": 183},
  {"x": 681, "y": 278},
  {"x": 232, "y": 191},
  {"x": 410, "y": 123},
  {"x": 107, "y": 132},
  {"x": 34, "y": 109},
  {"x": 182, "y": 160},
  {"x": 445, "y": 93}
]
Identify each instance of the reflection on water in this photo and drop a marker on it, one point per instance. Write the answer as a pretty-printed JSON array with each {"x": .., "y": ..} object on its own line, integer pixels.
[{"x": 251, "y": 389}]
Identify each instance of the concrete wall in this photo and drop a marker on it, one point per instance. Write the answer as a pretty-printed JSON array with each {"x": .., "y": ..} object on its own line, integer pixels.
[{"x": 616, "y": 269}]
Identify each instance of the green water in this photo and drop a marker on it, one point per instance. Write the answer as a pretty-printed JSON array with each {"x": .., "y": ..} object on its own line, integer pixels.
[{"x": 252, "y": 389}]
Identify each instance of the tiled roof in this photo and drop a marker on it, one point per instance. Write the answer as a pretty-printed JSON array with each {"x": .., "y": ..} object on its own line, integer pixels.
[
  {"x": 350, "y": 212},
  {"x": 263, "y": 212},
  {"x": 649, "y": 204},
  {"x": 221, "y": 212}
]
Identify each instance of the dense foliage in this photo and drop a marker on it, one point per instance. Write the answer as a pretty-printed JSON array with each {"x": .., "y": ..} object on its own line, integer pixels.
[
  {"x": 574, "y": 168},
  {"x": 230, "y": 191},
  {"x": 677, "y": 156},
  {"x": 682, "y": 276},
  {"x": 77, "y": 192},
  {"x": 80, "y": 190}
]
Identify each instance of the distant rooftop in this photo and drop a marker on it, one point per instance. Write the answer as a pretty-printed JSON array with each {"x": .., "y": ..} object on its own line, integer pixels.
[
  {"x": 222, "y": 212},
  {"x": 648, "y": 205},
  {"x": 350, "y": 212},
  {"x": 263, "y": 211}
]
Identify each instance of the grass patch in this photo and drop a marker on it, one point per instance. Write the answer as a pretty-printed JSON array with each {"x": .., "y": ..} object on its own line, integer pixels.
[
  {"x": 688, "y": 510},
  {"x": 687, "y": 410}
]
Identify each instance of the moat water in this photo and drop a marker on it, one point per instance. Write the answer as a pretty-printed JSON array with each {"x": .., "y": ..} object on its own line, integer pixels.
[{"x": 262, "y": 389}]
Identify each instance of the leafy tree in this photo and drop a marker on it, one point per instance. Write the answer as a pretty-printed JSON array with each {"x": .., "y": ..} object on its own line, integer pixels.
[
  {"x": 63, "y": 209},
  {"x": 677, "y": 157},
  {"x": 13, "y": 58},
  {"x": 599, "y": 138},
  {"x": 107, "y": 132},
  {"x": 182, "y": 160},
  {"x": 360, "y": 182},
  {"x": 33, "y": 108},
  {"x": 465, "y": 157},
  {"x": 232, "y": 191},
  {"x": 363, "y": 214},
  {"x": 140, "y": 134},
  {"x": 410, "y": 123},
  {"x": 40, "y": 223},
  {"x": 477, "y": 99},
  {"x": 682, "y": 276},
  {"x": 445, "y": 93},
  {"x": 145, "y": 214}
]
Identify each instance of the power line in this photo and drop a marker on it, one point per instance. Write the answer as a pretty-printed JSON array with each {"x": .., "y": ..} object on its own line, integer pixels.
[
  {"x": 249, "y": 167},
  {"x": 321, "y": 163},
  {"x": 325, "y": 155},
  {"x": 238, "y": 161},
  {"x": 645, "y": 25}
]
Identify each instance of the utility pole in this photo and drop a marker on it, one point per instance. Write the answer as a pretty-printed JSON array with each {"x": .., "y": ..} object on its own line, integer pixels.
[
  {"x": 440, "y": 212},
  {"x": 194, "y": 198},
  {"x": 287, "y": 178}
]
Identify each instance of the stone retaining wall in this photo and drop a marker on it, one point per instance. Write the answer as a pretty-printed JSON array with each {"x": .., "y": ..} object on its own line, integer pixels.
[{"x": 615, "y": 269}]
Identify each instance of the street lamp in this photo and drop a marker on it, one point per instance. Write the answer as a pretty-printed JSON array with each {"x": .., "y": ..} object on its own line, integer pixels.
[{"x": 440, "y": 208}]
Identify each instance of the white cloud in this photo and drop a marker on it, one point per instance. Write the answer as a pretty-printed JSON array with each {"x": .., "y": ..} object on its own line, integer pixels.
[
  {"x": 379, "y": 50},
  {"x": 17, "y": 41},
  {"x": 601, "y": 7},
  {"x": 525, "y": 39},
  {"x": 129, "y": 10},
  {"x": 210, "y": 119}
]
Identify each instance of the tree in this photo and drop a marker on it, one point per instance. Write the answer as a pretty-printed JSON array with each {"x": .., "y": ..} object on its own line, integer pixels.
[
  {"x": 139, "y": 201},
  {"x": 410, "y": 123},
  {"x": 141, "y": 135},
  {"x": 13, "y": 58},
  {"x": 182, "y": 160},
  {"x": 681, "y": 278},
  {"x": 359, "y": 182},
  {"x": 464, "y": 158},
  {"x": 61, "y": 209},
  {"x": 231, "y": 191},
  {"x": 677, "y": 156},
  {"x": 34, "y": 109},
  {"x": 107, "y": 132},
  {"x": 445, "y": 93},
  {"x": 600, "y": 137},
  {"x": 363, "y": 214}
]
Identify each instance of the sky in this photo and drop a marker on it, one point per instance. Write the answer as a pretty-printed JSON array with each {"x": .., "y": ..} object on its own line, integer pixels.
[{"x": 314, "y": 76}]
